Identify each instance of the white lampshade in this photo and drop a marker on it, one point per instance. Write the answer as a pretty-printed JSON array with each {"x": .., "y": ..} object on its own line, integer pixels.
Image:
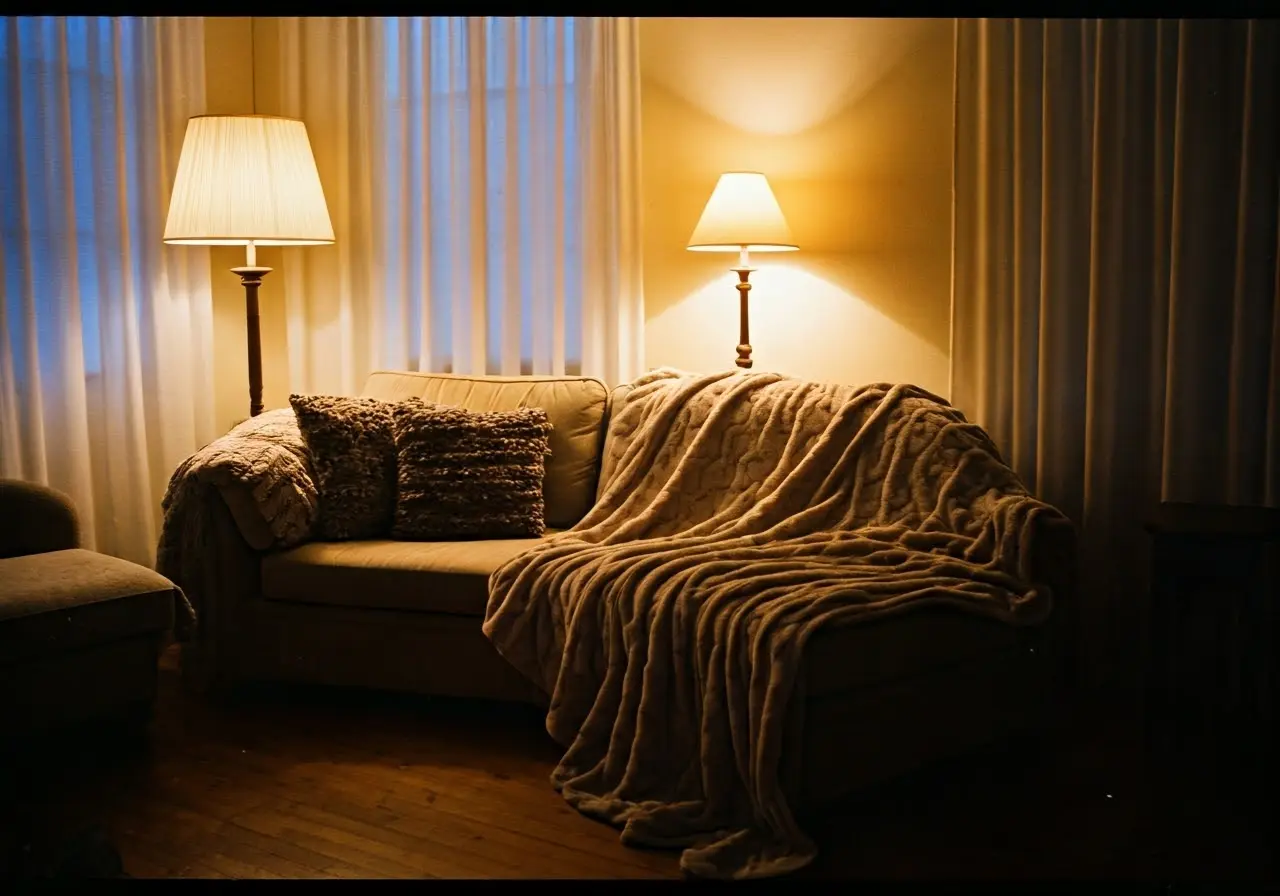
[
  {"x": 247, "y": 177},
  {"x": 742, "y": 213}
]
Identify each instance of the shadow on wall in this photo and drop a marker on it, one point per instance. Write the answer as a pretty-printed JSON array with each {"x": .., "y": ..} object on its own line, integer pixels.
[{"x": 851, "y": 121}]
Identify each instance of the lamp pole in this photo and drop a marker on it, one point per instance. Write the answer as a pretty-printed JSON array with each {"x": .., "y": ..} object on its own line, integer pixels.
[
  {"x": 743, "y": 270},
  {"x": 251, "y": 278}
]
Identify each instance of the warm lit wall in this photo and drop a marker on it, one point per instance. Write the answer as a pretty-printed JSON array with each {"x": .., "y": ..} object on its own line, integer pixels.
[
  {"x": 230, "y": 85},
  {"x": 851, "y": 121}
]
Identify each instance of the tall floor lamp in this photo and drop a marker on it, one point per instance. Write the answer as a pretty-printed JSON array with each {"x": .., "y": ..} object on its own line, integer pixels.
[
  {"x": 742, "y": 216},
  {"x": 248, "y": 180}
]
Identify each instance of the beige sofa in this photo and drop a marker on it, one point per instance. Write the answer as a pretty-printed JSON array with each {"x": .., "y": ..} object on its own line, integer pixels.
[{"x": 877, "y": 699}]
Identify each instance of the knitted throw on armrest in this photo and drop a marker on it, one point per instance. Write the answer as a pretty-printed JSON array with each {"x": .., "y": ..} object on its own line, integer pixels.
[{"x": 261, "y": 468}]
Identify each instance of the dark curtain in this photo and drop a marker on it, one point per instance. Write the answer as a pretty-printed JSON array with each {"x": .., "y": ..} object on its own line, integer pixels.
[{"x": 1116, "y": 307}]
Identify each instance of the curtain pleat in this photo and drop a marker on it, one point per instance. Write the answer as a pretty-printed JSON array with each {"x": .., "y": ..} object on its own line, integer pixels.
[
  {"x": 482, "y": 177},
  {"x": 516, "y": 190},
  {"x": 561, "y": 204},
  {"x": 106, "y": 375},
  {"x": 613, "y": 294},
  {"x": 1115, "y": 300}
]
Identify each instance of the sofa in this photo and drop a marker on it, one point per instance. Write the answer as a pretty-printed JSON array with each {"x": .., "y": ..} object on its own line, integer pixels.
[{"x": 878, "y": 699}]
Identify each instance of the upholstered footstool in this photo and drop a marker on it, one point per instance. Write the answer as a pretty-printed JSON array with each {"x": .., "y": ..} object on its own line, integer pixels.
[{"x": 80, "y": 637}]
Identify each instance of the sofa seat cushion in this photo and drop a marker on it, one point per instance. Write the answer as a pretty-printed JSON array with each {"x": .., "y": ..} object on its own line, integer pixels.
[
  {"x": 65, "y": 600},
  {"x": 424, "y": 576}
]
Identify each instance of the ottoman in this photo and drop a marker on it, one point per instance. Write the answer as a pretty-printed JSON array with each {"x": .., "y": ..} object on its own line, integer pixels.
[{"x": 80, "y": 637}]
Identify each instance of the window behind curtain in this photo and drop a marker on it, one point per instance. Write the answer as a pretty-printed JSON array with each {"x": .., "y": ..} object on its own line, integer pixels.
[
  {"x": 435, "y": 50},
  {"x": 50, "y": 160}
]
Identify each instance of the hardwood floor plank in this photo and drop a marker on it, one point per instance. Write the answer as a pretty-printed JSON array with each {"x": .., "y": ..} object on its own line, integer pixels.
[
  {"x": 485, "y": 848},
  {"x": 445, "y": 856},
  {"x": 266, "y": 863},
  {"x": 518, "y": 804},
  {"x": 345, "y": 873},
  {"x": 226, "y": 848},
  {"x": 281, "y": 794},
  {"x": 199, "y": 869},
  {"x": 495, "y": 808},
  {"x": 280, "y": 856},
  {"x": 237, "y": 870},
  {"x": 448, "y": 811},
  {"x": 535, "y": 852},
  {"x": 289, "y": 858},
  {"x": 346, "y": 849}
]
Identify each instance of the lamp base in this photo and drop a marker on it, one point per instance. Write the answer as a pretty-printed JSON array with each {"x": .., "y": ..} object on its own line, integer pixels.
[
  {"x": 251, "y": 279},
  {"x": 744, "y": 337}
]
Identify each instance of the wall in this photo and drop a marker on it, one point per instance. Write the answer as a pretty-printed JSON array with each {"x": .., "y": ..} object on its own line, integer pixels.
[
  {"x": 232, "y": 44},
  {"x": 851, "y": 121}
]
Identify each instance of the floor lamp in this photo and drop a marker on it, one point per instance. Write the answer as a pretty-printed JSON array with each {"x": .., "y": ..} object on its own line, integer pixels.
[
  {"x": 248, "y": 180},
  {"x": 742, "y": 216}
]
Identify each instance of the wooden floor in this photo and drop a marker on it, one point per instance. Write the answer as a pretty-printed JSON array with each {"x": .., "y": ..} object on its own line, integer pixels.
[{"x": 315, "y": 783}]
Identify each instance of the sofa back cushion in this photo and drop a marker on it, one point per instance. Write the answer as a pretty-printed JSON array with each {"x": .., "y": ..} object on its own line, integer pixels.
[{"x": 575, "y": 405}]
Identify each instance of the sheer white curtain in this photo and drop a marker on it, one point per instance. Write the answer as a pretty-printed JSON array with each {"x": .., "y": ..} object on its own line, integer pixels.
[
  {"x": 482, "y": 176},
  {"x": 105, "y": 359}
]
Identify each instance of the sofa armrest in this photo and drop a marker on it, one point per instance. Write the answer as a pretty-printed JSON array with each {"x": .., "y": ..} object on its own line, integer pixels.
[
  {"x": 35, "y": 519},
  {"x": 1054, "y": 563},
  {"x": 1053, "y": 558},
  {"x": 230, "y": 579}
]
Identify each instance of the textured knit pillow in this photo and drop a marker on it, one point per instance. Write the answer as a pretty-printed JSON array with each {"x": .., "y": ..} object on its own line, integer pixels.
[
  {"x": 353, "y": 457},
  {"x": 465, "y": 474}
]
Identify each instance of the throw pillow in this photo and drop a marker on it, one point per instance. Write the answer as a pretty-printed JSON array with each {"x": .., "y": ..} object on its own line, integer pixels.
[
  {"x": 353, "y": 457},
  {"x": 466, "y": 474}
]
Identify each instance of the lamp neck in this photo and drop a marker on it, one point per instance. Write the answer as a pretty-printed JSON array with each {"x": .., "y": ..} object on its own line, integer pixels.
[
  {"x": 743, "y": 260},
  {"x": 250, "y": 255}
]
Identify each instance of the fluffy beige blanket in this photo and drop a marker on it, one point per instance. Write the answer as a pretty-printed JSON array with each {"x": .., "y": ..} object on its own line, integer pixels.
[{"x": 740, "y": 514}]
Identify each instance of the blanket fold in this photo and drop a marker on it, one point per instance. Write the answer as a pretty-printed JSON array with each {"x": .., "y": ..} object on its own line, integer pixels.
[
  {"x": 742, "y": 514},
  {"x": 260, "y": 469}
]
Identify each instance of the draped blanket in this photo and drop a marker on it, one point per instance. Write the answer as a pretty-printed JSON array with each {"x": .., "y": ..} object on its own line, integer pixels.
[
  {"x": 740, "y": 514},
  {"x": 261, "y": 467}
]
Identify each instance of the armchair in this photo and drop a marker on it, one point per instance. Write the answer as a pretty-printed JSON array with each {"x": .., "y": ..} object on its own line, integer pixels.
[{"x": 80, "y": 631}]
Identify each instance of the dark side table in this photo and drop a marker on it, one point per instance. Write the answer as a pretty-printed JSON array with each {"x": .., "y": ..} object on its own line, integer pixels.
[{"x": 1210, "y": 675}]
